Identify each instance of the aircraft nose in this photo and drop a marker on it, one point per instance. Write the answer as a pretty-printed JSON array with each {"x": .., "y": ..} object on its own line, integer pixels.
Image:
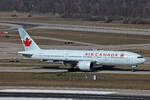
[{"x": 142, "y": 60}]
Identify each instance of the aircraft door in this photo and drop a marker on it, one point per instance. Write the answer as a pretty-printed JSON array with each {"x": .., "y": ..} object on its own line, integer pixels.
[{"x": 130, "y": 59}]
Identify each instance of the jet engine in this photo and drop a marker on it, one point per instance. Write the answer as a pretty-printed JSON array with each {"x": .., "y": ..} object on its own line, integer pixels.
[{"x": 85, "y": 65}]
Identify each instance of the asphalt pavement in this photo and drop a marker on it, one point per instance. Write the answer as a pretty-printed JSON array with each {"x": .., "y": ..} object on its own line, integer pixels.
[
  {"x": 73, "y": 93},
  {"x": 72, "y": 96},
  {"x": 82, "y": 28}
]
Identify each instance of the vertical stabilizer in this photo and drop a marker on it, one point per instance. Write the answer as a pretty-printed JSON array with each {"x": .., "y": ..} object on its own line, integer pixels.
[{"x": 27, "y": 41}]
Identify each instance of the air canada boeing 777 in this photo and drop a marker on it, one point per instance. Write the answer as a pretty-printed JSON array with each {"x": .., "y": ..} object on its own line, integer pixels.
[{"x": 85, "y": 60}]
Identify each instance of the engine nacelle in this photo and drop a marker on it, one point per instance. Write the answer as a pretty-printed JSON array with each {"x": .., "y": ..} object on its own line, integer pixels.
[{"x": 85, "y": 65}]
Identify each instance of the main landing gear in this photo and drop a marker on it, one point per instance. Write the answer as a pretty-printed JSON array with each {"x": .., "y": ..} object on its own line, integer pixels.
[{"x": 72, "y": 69}]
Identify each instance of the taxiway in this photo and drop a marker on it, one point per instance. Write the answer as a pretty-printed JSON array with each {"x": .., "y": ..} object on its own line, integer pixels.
[{"x": 73, "y": 93}]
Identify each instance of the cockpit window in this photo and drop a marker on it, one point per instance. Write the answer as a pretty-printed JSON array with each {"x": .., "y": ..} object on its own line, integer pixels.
[{"x": 140, "y": 57}]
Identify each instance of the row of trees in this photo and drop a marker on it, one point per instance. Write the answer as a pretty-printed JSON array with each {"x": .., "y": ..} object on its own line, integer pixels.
[{"x": 80, "y": 8}]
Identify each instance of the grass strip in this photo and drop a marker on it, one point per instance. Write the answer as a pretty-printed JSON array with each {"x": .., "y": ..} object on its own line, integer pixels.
[{"x": 119, "y": 81}]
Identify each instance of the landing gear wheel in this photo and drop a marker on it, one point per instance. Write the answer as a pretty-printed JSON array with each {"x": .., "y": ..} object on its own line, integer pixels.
[
  {"x": 133, "y": 70},
  {"x": 71, "y": 70}
]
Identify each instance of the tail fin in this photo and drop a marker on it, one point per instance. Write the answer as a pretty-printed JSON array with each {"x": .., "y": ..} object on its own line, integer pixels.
[{"x": 27, "y": 41}]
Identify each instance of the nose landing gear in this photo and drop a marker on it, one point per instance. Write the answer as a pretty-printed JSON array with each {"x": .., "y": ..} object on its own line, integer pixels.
[{"x": 133, "y": 68}]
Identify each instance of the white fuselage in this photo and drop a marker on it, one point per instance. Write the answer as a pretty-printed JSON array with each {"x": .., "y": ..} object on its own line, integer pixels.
[{"x": 100, "y": 57}]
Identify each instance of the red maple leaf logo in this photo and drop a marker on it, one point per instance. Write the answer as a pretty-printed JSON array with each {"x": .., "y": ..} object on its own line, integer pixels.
[
  {"x": 122, "y": 55},
  {"x": 27, "y": 42}
]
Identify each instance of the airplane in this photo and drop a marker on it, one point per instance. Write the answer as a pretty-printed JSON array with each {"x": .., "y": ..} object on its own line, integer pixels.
[{"x": 85, "y": 60}]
